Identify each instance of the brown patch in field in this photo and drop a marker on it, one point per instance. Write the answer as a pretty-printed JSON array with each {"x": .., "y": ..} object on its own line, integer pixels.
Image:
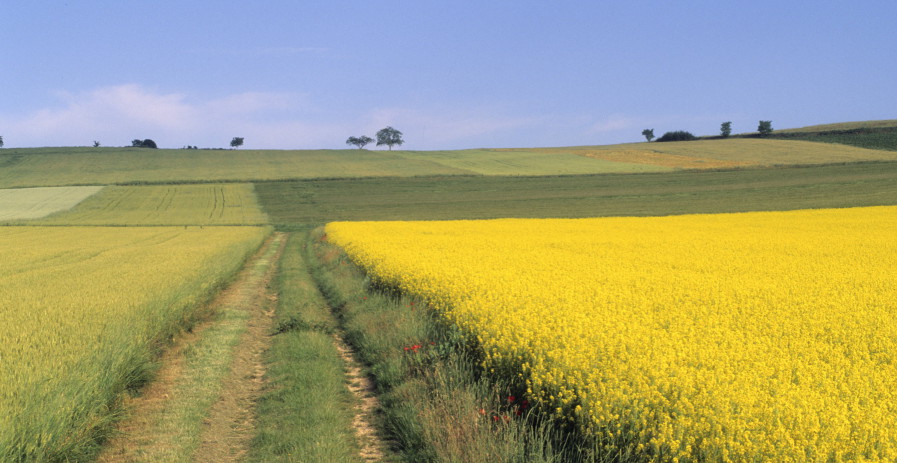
[{"x": 230, "y": 426}]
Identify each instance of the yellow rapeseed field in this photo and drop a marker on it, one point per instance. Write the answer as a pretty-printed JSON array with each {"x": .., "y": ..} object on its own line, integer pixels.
[
  {"x": 767, "y": 336},
  {"x": 82, "y": 310}
]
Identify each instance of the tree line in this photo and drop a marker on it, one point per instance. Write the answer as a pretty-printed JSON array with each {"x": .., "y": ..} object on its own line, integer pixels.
[
  {"x": 764, "y": 128},
  {"x": 235, "y": 143}
]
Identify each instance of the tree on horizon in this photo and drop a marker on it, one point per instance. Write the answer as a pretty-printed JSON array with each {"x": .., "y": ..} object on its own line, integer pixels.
[
  {"x": 360, "y": 142},
  {"x": 389, "y": 136}
]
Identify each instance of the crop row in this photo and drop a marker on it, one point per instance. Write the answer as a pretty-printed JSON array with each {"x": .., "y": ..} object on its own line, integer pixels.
[
  {"x": 734, "y": 337},
  {"x": 201, "y": 204}
]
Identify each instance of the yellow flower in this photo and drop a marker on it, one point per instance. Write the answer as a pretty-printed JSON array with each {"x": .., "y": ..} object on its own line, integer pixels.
[{"x": 756, "y": 336}]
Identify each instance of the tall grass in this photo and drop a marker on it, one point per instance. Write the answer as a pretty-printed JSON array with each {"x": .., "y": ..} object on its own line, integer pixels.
[{"x": 439, "y": 406}]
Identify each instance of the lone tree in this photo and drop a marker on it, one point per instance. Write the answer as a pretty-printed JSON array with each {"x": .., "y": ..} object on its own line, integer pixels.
[
  {"x": 96, "y": 144},
  {"x": 236, "y": 142},
  {"x": 765, "y": 128},
  {"x": 359, "y": 141},
  {"x": 649, "y": 134},
  {"x": 725, "y": 129},
  {"x": 1, "y": 142},
  {"x": 143, "y": 143},
  {"x": 389, "y": 136}
]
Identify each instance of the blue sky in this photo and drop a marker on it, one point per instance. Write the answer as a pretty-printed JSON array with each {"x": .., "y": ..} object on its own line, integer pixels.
[{"x": 449, "y": 75}]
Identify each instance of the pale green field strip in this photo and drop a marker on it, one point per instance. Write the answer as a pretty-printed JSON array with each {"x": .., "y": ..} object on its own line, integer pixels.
[
  {"x": 104, "y": 166},
  {"x": 201, "y": 204},
  {"x": 528, "y": 162},
  {"x": 33, "y": 203},
  {"x": 757, "y": 151}
]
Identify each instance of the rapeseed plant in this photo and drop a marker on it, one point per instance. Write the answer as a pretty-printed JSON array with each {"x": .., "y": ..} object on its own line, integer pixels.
[{"x": 765, "y": 336}]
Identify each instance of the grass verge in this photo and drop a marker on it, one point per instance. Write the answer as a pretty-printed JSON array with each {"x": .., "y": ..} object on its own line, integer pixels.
[{"x": 438, "y": 405}]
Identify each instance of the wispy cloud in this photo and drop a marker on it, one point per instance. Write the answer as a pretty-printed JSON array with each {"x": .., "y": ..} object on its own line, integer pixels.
[{"x": 114, "y": 115}]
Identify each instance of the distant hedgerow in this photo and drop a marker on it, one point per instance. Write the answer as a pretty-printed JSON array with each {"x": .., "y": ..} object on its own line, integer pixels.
[{"x": 679, "y": 135}]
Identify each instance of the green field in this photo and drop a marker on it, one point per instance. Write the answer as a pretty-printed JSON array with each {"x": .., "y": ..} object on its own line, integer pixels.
[
  {"x": 104, "y": 166},
  {"x": 34, "y": 167},
  {"x": 528, "y": 162},
  {"x": 439, "y": 198},
  {"x": 311, "y": 202},
  {"x": 179, "y": 204}
]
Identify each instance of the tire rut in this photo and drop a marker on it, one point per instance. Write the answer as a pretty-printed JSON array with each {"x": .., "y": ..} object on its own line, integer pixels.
[
  {"x": 230, "y": 426},
  {"x": 148, "y": 434}
]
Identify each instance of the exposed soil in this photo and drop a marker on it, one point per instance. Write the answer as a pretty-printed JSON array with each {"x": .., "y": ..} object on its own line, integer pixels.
[{"x": 361, "y": 386}]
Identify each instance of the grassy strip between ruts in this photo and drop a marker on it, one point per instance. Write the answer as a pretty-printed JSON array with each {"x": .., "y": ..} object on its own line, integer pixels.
[
  {"x": 305, "y": 412},
  {"x": 437, "y": 404}
]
